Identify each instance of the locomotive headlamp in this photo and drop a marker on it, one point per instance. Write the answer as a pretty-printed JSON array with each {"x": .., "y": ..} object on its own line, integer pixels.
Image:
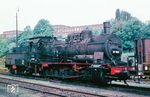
[
  {"x": 115, "y": 52},
  {"x": 146, "y": 67}
]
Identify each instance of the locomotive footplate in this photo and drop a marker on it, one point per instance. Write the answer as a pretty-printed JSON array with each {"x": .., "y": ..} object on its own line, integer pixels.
[
  {"x": 106, "y": 73},
  {"x": 64, "y": 70},
  {"x": 119, "y": 73}
]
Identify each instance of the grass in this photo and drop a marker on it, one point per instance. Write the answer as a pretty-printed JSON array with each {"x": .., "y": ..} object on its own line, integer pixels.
[{"x": 2, "y": 64}]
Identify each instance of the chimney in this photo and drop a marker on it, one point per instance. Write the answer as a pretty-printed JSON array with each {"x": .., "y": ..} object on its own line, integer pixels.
[{"x": 106, "y": 26}]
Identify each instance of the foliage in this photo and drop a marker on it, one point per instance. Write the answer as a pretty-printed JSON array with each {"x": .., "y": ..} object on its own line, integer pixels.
[
  {"x": 146, "y": 31},
  {"x": 4, "y": 46},
  {"x": 128, "y": 31},
  {"x": 27, "y": 33},
  {"x": 2, "y": 65},
  {"x": 122, "y": 15},
  {"x": 98, "y": 32},
  {"x": 43, "y": 28},
  {"x": 129, "y": 28}
]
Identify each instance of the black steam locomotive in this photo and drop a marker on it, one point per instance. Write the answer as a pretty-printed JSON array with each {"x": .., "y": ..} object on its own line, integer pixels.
[{"x": 81, "y": 55}]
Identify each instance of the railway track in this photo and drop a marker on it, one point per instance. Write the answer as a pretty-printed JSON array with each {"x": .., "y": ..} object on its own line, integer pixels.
[
  {"x": 116, "y": 87},
  {"x": 131, "y": 83},
  {"x": 55, "y": 91}
]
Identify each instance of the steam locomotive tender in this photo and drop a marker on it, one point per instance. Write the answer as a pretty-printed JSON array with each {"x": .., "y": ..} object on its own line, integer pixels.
[{"x": 82, "y": 55}]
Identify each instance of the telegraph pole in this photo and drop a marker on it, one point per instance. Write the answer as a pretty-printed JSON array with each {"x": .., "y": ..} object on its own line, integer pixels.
[{"x": 17, "y": 28}]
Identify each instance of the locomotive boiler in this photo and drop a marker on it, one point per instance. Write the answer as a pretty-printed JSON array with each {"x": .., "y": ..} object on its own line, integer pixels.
[
  {"x": 85, "y": 47},
  {"x": 81, "y": 55}
]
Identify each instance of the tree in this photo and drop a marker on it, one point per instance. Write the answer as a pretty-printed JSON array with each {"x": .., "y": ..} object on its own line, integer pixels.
[
  {"x": 146, "y": 31},
  {"x": 97, "y": 32},
  {"x": 43, "y": 28},
  {"x": 131, "y": 30},
  {"x": 122, "y": 15},
  {"x": 117, "y": 15},
  {"x": 128, "y": 28},
  {"x": 27, "y": 33},
  {"x": 4, "y": 46},
  {"x": 116, "y": 25}
]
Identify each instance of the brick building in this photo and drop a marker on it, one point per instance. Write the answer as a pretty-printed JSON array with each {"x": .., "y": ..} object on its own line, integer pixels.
[
  {"x": 10, "y": 34},
  {"x": 59, "y": 30},
  {"x": 62, "y": 29}
]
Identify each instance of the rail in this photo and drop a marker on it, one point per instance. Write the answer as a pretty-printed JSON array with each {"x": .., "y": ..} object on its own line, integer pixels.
[{"x": 48, "y": 89}]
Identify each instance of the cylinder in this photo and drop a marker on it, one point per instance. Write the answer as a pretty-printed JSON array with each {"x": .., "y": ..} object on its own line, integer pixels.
[{"x": 106, "y": 26}]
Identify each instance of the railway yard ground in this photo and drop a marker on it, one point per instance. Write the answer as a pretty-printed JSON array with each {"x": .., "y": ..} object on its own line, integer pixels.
[
  {"x": 22, "y": 92},
  {"x": 41, "y": 87},
  {"x": 32, "y": 87}
]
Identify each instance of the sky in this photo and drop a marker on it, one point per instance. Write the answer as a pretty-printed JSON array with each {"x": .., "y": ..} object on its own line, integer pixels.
[{"x": 67, "y": 12}]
